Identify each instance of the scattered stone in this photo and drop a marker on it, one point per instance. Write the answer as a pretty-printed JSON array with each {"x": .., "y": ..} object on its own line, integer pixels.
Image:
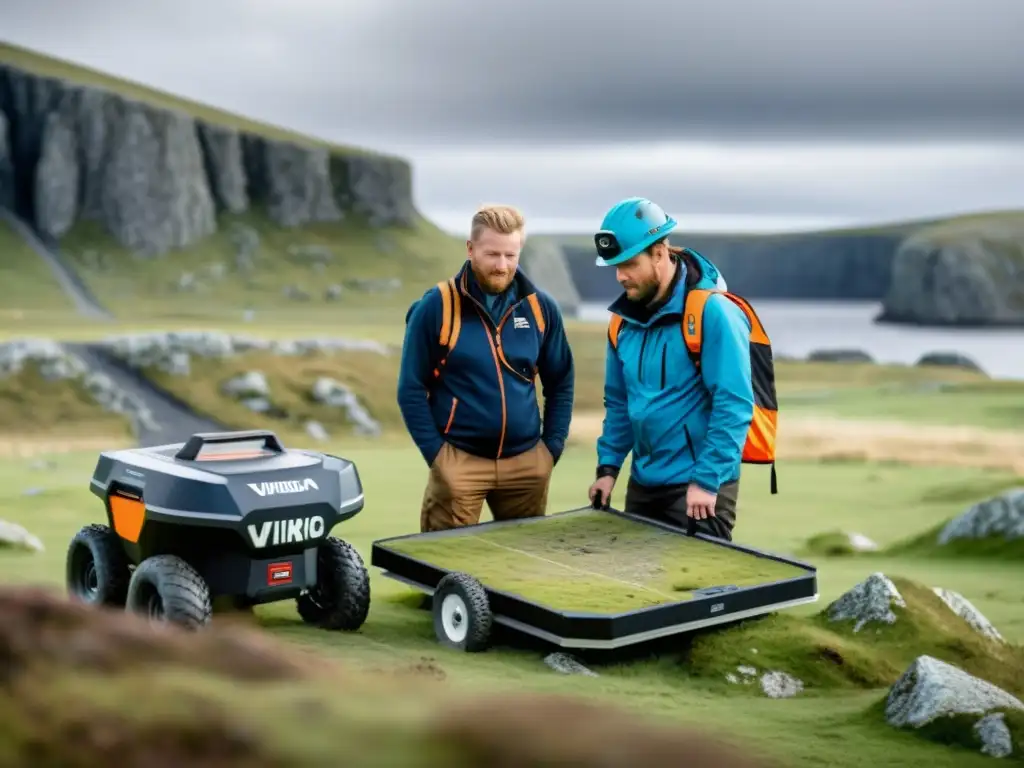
[
  {"x": 43, "y": 465},
  {"x": 840, "y": 356},
  {"x": 780, "y": 685},
  {"x": 963, "y": 608},
  {"x": 862, "y": 543},
  {"x": 746, "y": 671},
  {"x": 15, "y": 537},
  {"x": 1001, "y": 515},
  {"x": 994, "y": 735},
  {"x": 567, "y": 665},
  {"x": 251, "y": 384},
  {"x": 216, "y": 270},
  {"x": 311, "y": 254},
  {"x": 730, "y": 677},
  {"x": 333, "y": 292},
  {"x": 930, "y": 689},
  {"x": 316, "y": 431},
  {"x": 186, "y": 283},
  {"x": 835, "y": 543},
  {"x": 55, "y": 363},
  {"x": 368, "y": 285},
  {"x": 294, "y": 293},
  {"x": 257, "y": 404},
  {"x": 336, "y": 395},
  {"x": 870, "y": 601},
  {"x": 949, "y": 360}
]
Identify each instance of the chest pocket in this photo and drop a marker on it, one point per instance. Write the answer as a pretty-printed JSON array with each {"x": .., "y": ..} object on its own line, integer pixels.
[{"x": 521, "y": 339}]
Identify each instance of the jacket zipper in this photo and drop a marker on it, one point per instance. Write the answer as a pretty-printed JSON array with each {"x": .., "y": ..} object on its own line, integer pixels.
[
  {"x": 664, "y": 353},
  {"x": 495, "y": 342},
  {"x": 640, "y": 359},
  {"x": 451, "y": 415},
  {"x": 689, "y": 442}
]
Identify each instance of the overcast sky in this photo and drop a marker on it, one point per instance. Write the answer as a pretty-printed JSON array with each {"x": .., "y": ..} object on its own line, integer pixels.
[{"x": 733, "y": 114}]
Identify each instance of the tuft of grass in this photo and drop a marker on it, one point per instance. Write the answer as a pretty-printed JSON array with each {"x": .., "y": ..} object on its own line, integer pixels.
[
  {"x": 590, "y": 561},
  {"x": 830, "y": 655}
]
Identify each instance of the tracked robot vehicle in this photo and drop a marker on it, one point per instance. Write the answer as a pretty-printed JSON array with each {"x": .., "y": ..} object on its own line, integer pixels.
[{"x": 224, "y": 516}]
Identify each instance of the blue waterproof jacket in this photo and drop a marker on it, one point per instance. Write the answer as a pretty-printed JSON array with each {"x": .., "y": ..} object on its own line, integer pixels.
[
  {"x": 682, "y": 425},
  {"x": 485, "y": 400}
]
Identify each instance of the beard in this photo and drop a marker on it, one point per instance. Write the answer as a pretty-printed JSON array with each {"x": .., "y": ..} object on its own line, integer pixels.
[
  {"x": 640, "y": 293},
  {"x": 497, "y": 282}
]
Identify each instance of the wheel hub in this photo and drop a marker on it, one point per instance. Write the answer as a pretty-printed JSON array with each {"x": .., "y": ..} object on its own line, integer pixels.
[{"x": 454, "y": 615}]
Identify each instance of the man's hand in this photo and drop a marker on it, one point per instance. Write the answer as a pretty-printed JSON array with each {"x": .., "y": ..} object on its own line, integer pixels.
[
  {"x": 700, "y": 504},
  {"x": 600, "y": 493}
]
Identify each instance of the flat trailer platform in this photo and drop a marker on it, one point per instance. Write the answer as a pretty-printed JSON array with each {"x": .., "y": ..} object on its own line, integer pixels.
[{"x": 588, "y": 579}]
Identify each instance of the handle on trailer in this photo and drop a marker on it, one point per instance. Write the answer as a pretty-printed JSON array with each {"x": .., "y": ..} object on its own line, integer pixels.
[{"x": 195, "y": 444}]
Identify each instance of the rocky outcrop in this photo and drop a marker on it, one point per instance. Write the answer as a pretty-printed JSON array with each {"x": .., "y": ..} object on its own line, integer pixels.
[
  {"x": 853, "y": 266},
  {"x": 55, "y": 363},
  {"x": 155, "y": 179},
  {"x": 546, "y": 265},
  {"x": 931, "y": 690},
  {"x": 869, "y": 602},
  {"x": 16, "y": 537},
  {"x": 966, "y": 610},
  {"x": 1001, "y": 516},
  {"x": 967, "y": 276}
]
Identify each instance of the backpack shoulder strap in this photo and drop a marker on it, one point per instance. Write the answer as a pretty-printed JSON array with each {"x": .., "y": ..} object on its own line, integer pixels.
[
  {"x": 451, "y": 315},
  {"x": 614, "y": 326},
  {"x": 693, "y": 321},
  {"x": 538, "y": 312}
]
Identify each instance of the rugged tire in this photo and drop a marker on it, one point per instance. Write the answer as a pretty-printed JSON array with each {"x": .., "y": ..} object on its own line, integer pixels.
[
  {"x": 462, "y": 613},
  {"x": 341, "y": 598},
  {"x": 97, "y": 570},
  {"x": 165, "y": 587}
]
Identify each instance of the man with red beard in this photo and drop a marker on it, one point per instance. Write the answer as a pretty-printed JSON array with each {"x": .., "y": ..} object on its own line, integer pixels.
[{"x": 474, "y": 347}]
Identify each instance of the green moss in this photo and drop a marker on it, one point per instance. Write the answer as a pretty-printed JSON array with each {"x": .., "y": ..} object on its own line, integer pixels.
[
  {"x": 591, "y": 561},
  {"x": 830, "y": 544},
  {"x": 827, "y": 655}
]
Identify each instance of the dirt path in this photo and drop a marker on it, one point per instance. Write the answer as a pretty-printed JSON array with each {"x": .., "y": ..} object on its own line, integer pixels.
[{"x": 817, "y": 438}]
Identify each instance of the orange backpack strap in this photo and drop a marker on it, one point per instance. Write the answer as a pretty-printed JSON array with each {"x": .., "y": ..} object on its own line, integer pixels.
[
  {"x": 614, "y": 326},
  {"x": 538, "y": 313},
  {"x": 451, "y": 321},
  {"x": 693, "y": 321}
]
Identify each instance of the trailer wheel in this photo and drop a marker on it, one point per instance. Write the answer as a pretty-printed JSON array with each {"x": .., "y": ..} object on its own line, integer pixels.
[
  {"x": 341, "y": 598},
  {"x": 97, "y": 569},
  {"x": 462, "y": 613},
  {"x": 166, "y": 588}
]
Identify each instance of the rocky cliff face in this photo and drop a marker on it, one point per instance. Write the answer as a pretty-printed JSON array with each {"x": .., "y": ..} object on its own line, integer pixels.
[
  {"x": 852, "y": 266},
  {"x": 972, "y": 276},
  {"x": 156, "y": 179}
]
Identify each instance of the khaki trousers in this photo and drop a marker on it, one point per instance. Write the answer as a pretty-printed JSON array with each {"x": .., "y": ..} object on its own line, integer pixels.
[{"x": 460, "y": 483}]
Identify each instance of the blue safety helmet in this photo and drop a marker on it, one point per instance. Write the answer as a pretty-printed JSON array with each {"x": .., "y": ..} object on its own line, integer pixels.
[{"x": 629, "y": 228}]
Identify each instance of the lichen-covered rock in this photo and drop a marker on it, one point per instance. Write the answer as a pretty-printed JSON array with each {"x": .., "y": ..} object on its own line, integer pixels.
[
  {"x": 780, "y": 685},
  {"x": 565, "y": 664},
  {"x": 959, "y": 275},
  {"x": 225, "y": 167},
  {"x": 870, "y": 601},
  {"x": 251, "y": 384},
  {"x": 994, "y": 735},
  {"x": 55, "y": 363},
  {"x": 1000, "y": 516},
  {"x": 16, "y": 537},
  {"x": 965, "y": 609},
  {"x": 336, "y": 395},
  {"x": 57, "y": 177},
  {"x": 930, "y": 689}
]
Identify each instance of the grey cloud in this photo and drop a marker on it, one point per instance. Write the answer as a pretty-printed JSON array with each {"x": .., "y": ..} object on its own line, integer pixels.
[{"x": 541, "y": 70}]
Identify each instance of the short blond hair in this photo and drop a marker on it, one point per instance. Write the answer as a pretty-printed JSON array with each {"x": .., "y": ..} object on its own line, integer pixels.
[{"x": 504, "y": 219}]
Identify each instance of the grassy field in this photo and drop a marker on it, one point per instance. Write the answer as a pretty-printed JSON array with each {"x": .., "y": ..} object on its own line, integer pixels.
[{"x": 816, "y": 727}]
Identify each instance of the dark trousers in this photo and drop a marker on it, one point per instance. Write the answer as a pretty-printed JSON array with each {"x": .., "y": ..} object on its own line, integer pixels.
[{"x": 667, "y": 504}]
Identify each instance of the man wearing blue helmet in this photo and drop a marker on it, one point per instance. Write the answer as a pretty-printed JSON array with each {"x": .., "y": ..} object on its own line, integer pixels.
[{"x": 685, "y": 421}]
